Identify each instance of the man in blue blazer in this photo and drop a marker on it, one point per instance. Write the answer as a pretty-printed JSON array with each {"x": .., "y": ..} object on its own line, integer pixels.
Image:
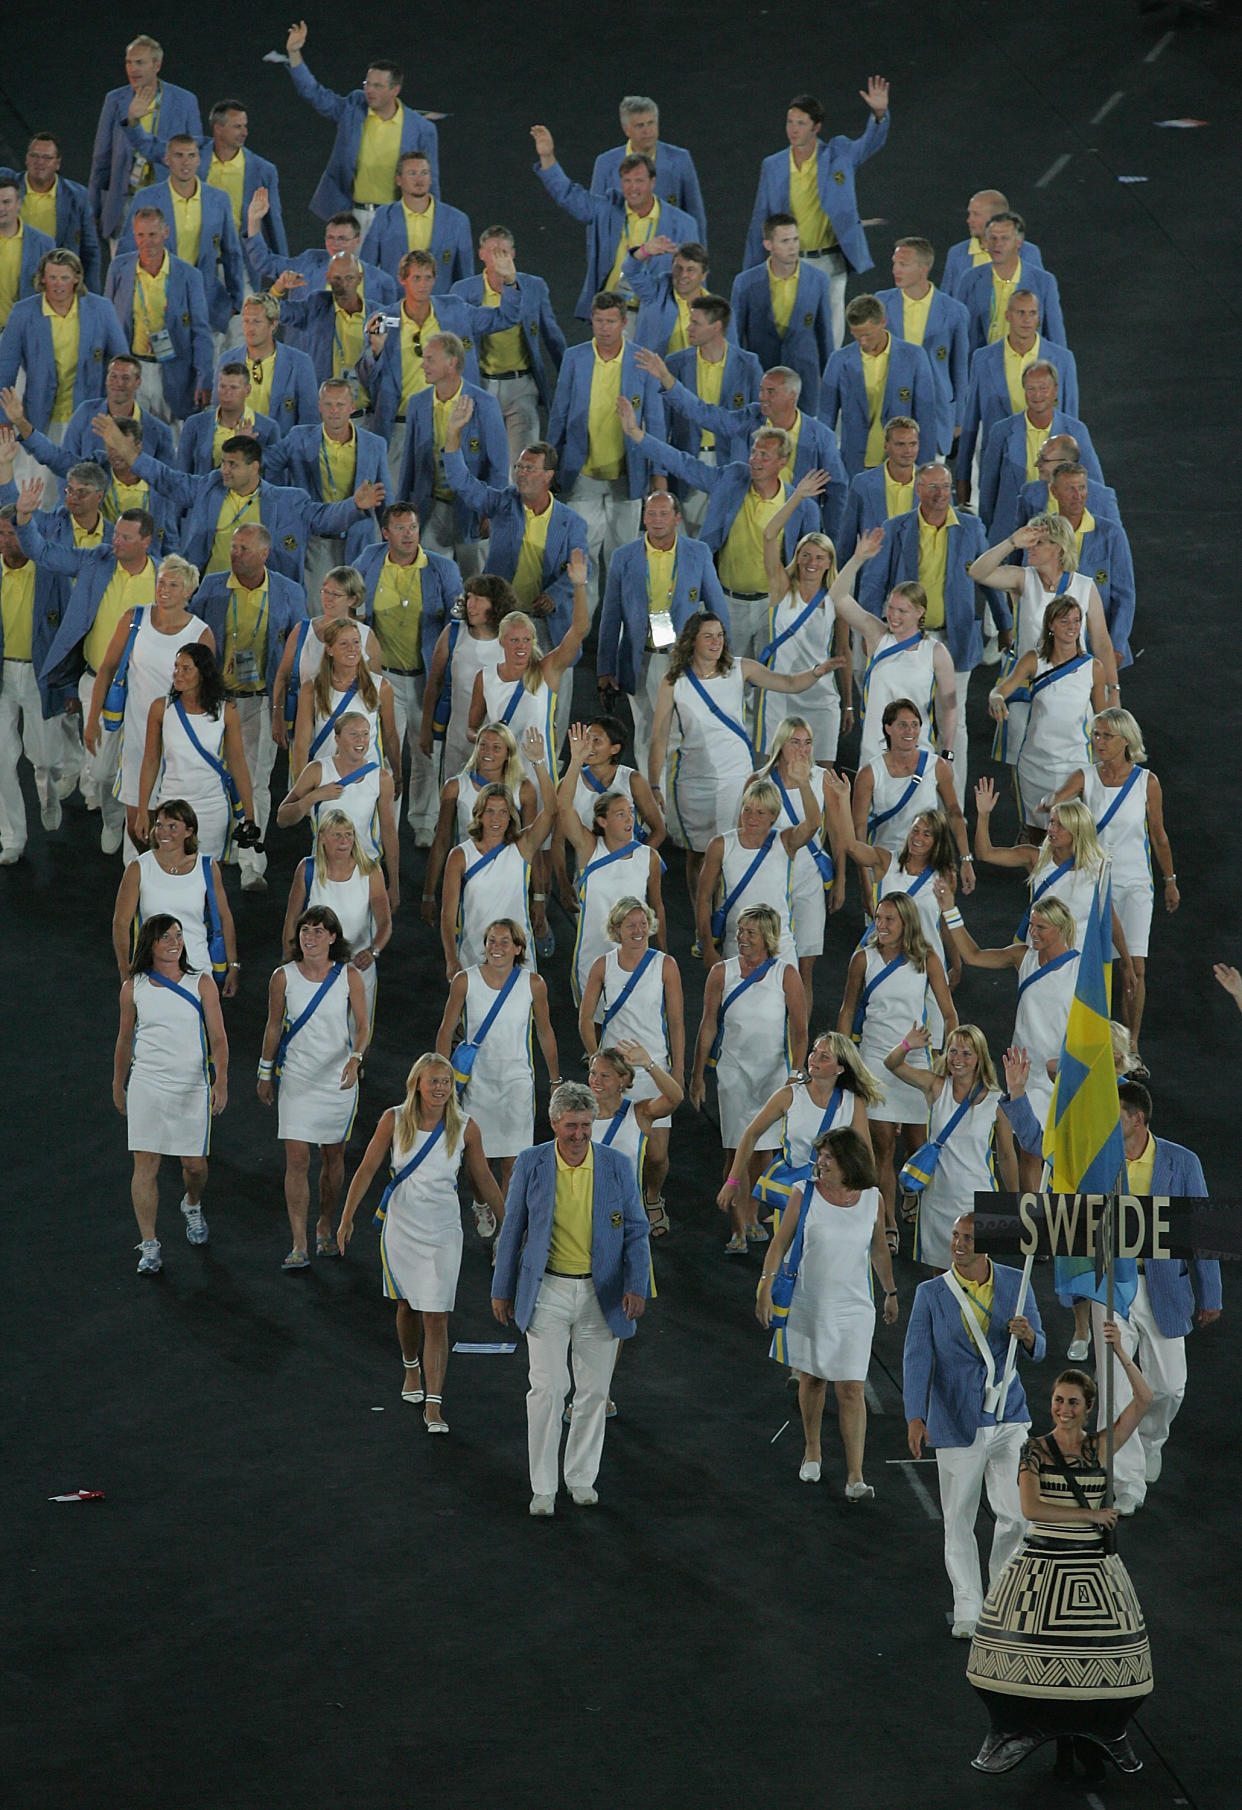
[
  {"x": 676, "y": 179},
  {"x": 985, "y": 292},
  {"x": 218, "y": 257},
  {"x": 43, "y": 186},
  {"x": 969, "y": 253},
  {"x": 945, "y": 1386},
  {"x": 26, "y": 342},
  {"x": 514, "y": 370},
  {"x": 378, "y": 98},
  {"x": 876, "y": 497},
  {"x": 342, "y": 237},
  {"x": 628, "y": 224},
  {"x": 450, "y": 524},
  {"x": 125, "y": 490},
  {"x": 121, "y": 384},
  {"x": 388, "y": 239},
  {"x": 117, "y": 172},
  {"x": 664, "y": 302},
  {"x": 281, "y": 375},
  {"x": 204, "y": 434},
  {"x": 628, "y": 656},
  {"x": 573, "y": 1270},
  {"x": 988, "y": 395},
  {"x": 179, "y": 380},
  {"x": 1036, "y": 496},
  {"x": 318, "y": 460},
  {"x": 1003, "y": 468},
  {"x": 34, "y": 244},
  {"x": 710, "y": 355},
  {"x": 802, "y": 337},
  {"x": 916, "y": 310},
  {"x": 218, "y": 153},
  {"x": 909, "y": 387},
  {"x": 329, "y": 323},
  {"x": 1103, "y": 553}
]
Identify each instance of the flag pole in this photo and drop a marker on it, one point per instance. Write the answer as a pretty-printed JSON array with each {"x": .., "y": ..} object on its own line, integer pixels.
[
  {"x": 1109, "y": 1229},
  {"x": 1011, "y": 1356}
]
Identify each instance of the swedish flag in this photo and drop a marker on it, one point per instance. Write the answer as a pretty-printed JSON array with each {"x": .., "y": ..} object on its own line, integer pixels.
[{"x": 1083, "y": 1132}]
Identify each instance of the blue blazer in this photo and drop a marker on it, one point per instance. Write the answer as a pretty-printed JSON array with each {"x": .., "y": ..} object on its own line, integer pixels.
[
  {"x": 909, "y": 389},
  {"x": 739, "y": 385},
  {"x": 1033, "y": 500},
  {"x": 1002, "y": 467},
  {"x": 507, "y": 513},
  {"x": 676, "y": 181},
  {"x": 838, "y": 159},
  {"x": 807, "y": 344},
  {"x": 113, "y": 156},
  {"x": 567, "y": 421},
  {"x": 194, "y": 449},
  {"x": 294, "y": 395},
  {"x": 957, "y": 264},
  {"x": 441, "y": 588},
  {"x": 185, "y": 318},
  {"x": 866, "y": 507},
  {"x": 484, "y": 447},
  {"x": 167, "y": 536},
  {"x": 257, "y": 173},
  {"x": 312, "y": 264},
  {"x": 726, "y": 486},
  {"x": 26, "y": 345},
  {"x": 90, "y": 572},
  {"x": 452, "y": 242},
  {"x": 382, "y": 375},
  {"x": 987, "y": 395},
  {"x": 75, "y": 228},
  {"x": 620, "y": 1260},
  {"x": 51, "y": 590},
  {"x": 1106, "y": 560},
  {"x": 309, "y": 316},
  {"x": 537, "y": 320},
  {"x": 604, "y": 218},
  {"x": 975, "y": 293},
  {"x": 817, "y": 445},
  {"x": 82, "y": 442},
  {"x": 944, "y": 342},
  {"x": 218, "y": 246},
  {"x": 34, "y": 244},
  {"x": 295, "y": 461},
  {"x": 657, "y": 312},
  {"x": 290, "y": 516},
  {"x": 942, "y": 1372},
  {"x": 335, "y": 193},
  {"x": 623, "y": 620},
  {"x": 1176, "y": 1171},
  {"x": 286, "y": 605},
  {"x": 963, "y": 598}
]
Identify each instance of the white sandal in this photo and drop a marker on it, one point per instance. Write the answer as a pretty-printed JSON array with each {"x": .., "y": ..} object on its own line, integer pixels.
[{"x": 415, "y": 1397}]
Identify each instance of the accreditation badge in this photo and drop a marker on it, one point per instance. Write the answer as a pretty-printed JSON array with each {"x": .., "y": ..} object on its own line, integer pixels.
[{"x": 660, "y": 630}]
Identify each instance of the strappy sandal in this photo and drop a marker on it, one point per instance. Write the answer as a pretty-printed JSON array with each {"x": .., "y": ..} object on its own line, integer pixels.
[
  {"x": 413, "y": 1396},
  {"x": 658, "y": 1221}
]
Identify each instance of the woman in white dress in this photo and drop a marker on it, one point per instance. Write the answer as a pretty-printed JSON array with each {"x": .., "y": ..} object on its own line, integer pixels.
[
  {"x": 495, "y": 759},
  {"x": 344, "y": 683},
  {"x": 817, "y": 882},
  {"x": 603, "y": 771},
  {"x": 342, "y": 875},
  {"x": 891, "y": 790},
  {"x": 1127, "y": 805},
  {"x": 468, "y": 643},
  {"x": 633, "y": 994},
  {"x": 314, "y": 1041},
  {"x": 802, "y": 628},
  {"x": 341, "y": 596},
  {"x": 497, "y": 1004},
  {"x": 489, "y": 871},
  {"x": 191, "y": 734},
  {"x": 702, "y": 695},
  {"x": 753, "y": 1032},
  {"x": 426, "y": 1139},
  {"x": 903, "y": 661},
  {"x": 832, "y": 1314},
  {"x": 963, "y": 1098},
  {"x": 171, "y": 876},
  {"x": 351, "y": 779},
  {"x": 1051, "y": 571},
  {"x": 752, "y": 864},
  {"x": 1065, "y": 685},
  {"x": 889, "y": 983},
  {"x": 169, "y": 1077}
]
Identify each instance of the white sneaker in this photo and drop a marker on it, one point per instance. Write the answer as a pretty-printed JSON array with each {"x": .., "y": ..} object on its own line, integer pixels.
[
  {"x": 51, "y": 813},
  {"x": 809, "y": 1472},
  {"x": 195, "y": 1224},
  {"x": 543, "y": 1505},
  {"x": 150, "y": 1262},
  {"x": 965, "y": 1630},
  {"x": 585, "y": 1498},
  {"x": 110, "y": 839}
]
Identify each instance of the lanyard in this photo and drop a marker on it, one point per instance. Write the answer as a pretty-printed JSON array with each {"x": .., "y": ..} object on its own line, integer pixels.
[
  {"x": 258, "y": 627},
  {"x": 325, "y": 466},
  {"x": 672, "y": 583}
]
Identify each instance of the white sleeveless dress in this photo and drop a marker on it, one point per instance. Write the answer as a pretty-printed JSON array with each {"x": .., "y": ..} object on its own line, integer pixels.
[
  {"x": 1039, "y": 1027},
  {"x": 586, "y": 792},
  {"x": 599, "y": 888},
  {"x": 359, "y": 800},
  {"x": 1075, "y": 889},
  {"x": 148, "y": 676},
  {"x": 832, "y": 1313},
  {"x": 500, "y": 1094},
  {"x": 351, "y": 901},
  {"x": 888, "y": 794},
  {"x": 911, "y": 674},
  {"x": 312, "y": 1107},
  {"x": 754, "y": 1052},
  {"x": 712, "y": 763},
  {"x": 964, "y": 1169},
  {"x": 182, "y": 896},
  {"x": 642, "y": 1019},
  {"x": 770, "y": 884},
  {"x": 804, "y": 1122},
  {"x": 355, "y": 707},
  {"x": 808, "y": 903},
  {"x": 897, "y": 1003},
  {"x": 921, "y": 888},
  {"x": 533, "y": 709},
  {"x": 168, "y": 1095},
  {"x": 821, "y": 705},
  {"x": 1029, "y": 610},
  {"x": 420, "y": 1244},
  {"x": 500, "y": 891},
  {"x": 1058, "y": 735},
  {"x": 627, "y": 1139},
  {"x": 1125, "y": 837},
  {"x": 187, "y": 775},
  {"x": 470, "y": 657}
]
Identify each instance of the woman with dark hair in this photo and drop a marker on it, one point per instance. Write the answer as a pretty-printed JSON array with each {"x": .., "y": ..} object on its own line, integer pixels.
[
  {"x": 313, "y": 1044},
  {"x": 467, "y": 644},
  {"x": 904, "y": 781},
  {"x": 488, "y": 873},
  {"x": 832, "y": 1313},
  {"x": 171, "y": 876},
  {"x": 1065, "y": 685},
  {"x": 1060, "y": 1650},
  {"x": 194, "y": 750},
  {"x": 169, "y": 1077}
]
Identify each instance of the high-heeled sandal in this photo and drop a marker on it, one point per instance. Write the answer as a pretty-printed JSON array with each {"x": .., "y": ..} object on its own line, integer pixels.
[{"x": 413, "y": 1396}]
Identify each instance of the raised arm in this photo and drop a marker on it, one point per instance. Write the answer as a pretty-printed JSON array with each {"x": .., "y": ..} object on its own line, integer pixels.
[
  {"x": 567, "y": 816},
  {"x": 991, "y": 569},
  {"x": 533, "y": 839},
  {"x": 846, "y": 605},
  {"x": 1023, "y": 857},
  {"x": 566, "y": 651},
  {"x": 812, "y": 484}
]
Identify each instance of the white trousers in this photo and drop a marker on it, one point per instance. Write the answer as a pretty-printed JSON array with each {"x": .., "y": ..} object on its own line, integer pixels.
[
  {"x": 519, "y": 404},
  {"x": 99, "y": 770},
  {"x": 1163, "y": 1363},
  {"x": 961, "y": 746},
  {"x": 567, "y": 1318},
  {"x": 440, "y": 534},
  {"x": 834, "y": 267},
  {"x": 151, "y": 393},
  {"x": 20, "y": 701},
  {"x": 255, "y": 715},
  {"x": 747, "y": 623},
  {"x": 694, "y": 503},
  {"x": 323, "y": 551},
  {"x": 991, "y": 1459},
  {"x": 611, "y": 520},
  {"x": 408, "y": 690},
  {"x": 643, "y": 703}
]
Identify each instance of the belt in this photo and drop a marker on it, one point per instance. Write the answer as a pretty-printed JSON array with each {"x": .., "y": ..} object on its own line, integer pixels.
[
  {"x": 825, "y": 251},
  {"x": 144, "y": 358},
  {"x": 503, "y": 376},
  {"x": 16, "y": 660},
  {"x": 404, "y": 672},
  {"x": 90, "y": 672},
  {"x": 569, "y": 1275},
  {"x": 745, "y": 596}
]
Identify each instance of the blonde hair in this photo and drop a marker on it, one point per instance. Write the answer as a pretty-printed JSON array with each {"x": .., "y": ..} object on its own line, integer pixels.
[
  {"x": 1056, "y": 529},
  {"x": 813, "y": 539},
  {"x": 621, "y": 910},
  {"x": 1123, "y": 1049},
  {"x": 335, "y": 819},
  {"x": 368, "y": 692},
  {"x": 763, "y": 795},
  {"x": 766, "y": 922},
  {"x": 624, "y": 1070},
  {"x": 914, "y": 945},
  {"x": 348, "y": 578},
  {"x": 915, "y": 596},
  {"x": 971, "y": 1034},
  {"x": 1123, "y": 724},
  {"x": 532, "y": 678},
  {"x": 856, "y": 1077},
  {"x": 1077, "y": 821},
  {"x": 406, "y": 1126},
  {"x": 474, "y": 829},
  {"x": 1058, "y": 916},
  {"x": 70, "y": 261},
  {"x": 514, "y": 771},
  {"x": 173, "y": 562},
  {"x": 785, "y": 729}
]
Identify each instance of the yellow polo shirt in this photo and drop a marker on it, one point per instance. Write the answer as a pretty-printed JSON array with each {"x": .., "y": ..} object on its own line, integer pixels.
[
  {"x": 230, "y": 177},
  {"x": 220, "y": 433},
  {"x": 933, "y": 565},
  {"x": 678, "y": 339},
  {"x": 419, "y": 227},
  {"x": 708, "y": 379},
  {"x": 89, "y": 537},
  {"x": 440, "y": 407},
  {"x": 570, "y": 1249},
  {"x": 39, "y": 210},
  {"x": 188, "y": 223},
  {"x": 978, "y": 251},
  {"x": 398, "y": 614},
  {"x": 528, "y": 577},
  {"x": 637, "y": 230},
  {"x": 982, "y": 1292},
  {"x": 914, "y": 316},
  {"x": 413, "y": 339},
  {"x": 795, "y": 434},
  {"x": 1002, "y": 295},
  {"x": 875, "y": 376},
  {"x": 10, "y": 272},
  {"x": 605, "y": 440},
  {"x": 378, "y": 151},
  {"x": 783, "y": 292},
  {"x": 118, "y": 497},
  {"x": 1015, "y": 364},
  {"x": 261, "y": 373},
  {"x": 1035, "y": 437},
  {"x": 814, "y": 227},
  {"x": 741, "y": 558},
  {"x": 17, "y": 609},
  {"x": 246, "y": 623},
  {"x": 1139, "y": 1169},
  {"x": 898, "y": 498},
  {"x": 502, "y": 351},
  {"x": 338, "y": 466},
  {"x": 65, "y": 343},
  {"x": 146, "y": 175},
  {"x": 348, "y": 341},
  {"x": 1086, "y": 526},
  {"x": 660, "y": 565},
  {"x": 150, "y": 305},
  {"x": 235, "y": 512},
  {"x": 123, "y": 593}
]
